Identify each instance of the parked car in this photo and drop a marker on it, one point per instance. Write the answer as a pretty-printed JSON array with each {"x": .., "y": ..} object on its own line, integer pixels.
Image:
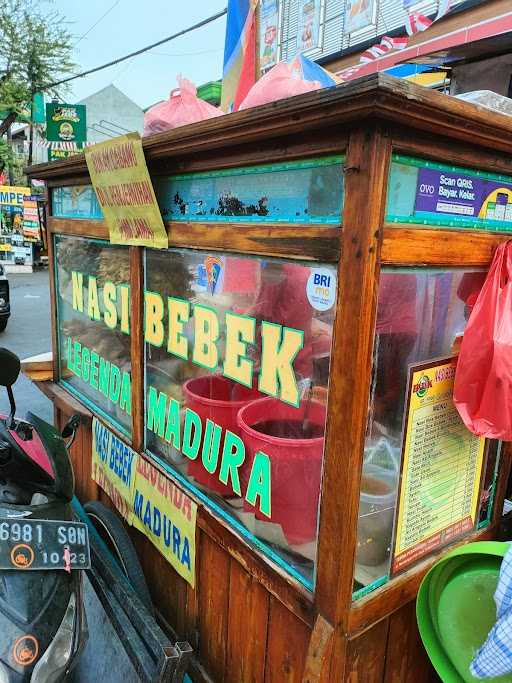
[{"x": 5, "y": 308}]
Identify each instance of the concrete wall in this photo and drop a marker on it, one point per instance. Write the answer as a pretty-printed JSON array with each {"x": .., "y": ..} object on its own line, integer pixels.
[
  {"x": 111, "y": 106},
  {"x": 489, "y": 74}
]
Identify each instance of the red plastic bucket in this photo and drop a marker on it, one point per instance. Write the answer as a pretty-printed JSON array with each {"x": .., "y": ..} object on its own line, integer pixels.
[
  {"x": 295, "y": 463},
  {"x": 219, "y": 399}
]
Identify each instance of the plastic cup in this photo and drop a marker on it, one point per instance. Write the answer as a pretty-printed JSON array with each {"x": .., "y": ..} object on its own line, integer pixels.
[{"x": 376, "y": 514}]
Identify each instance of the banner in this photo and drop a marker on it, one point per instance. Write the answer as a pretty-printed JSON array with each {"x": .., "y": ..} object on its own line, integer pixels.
[
  {"x": 31, "y": 228},
  {"x": 308, "y": 30},
  {"x": 359, "y": 14},
  {"x": 66, "y": 122},
  {"x": 415, "y": 22},
  {"x": 58, "y": 154},
  {"x": 13, "y": 196},
  {"x": 121, "y": 180},
  {"x": 460, "y": 194},
  {"x": 38, "y": 110},
  {"x": 147, "y": 499},
  {"x": 269, "y": 32},
  {"x": 239, "y": 70}
]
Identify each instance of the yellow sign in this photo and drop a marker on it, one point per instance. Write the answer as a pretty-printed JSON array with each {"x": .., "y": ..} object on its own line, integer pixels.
[
  {"x": 121, "y": 180},
  {"x": 13, "y": 195},
  {"x": 146, "y": 499},
  {"x": 167, "y": 516},
  {"x": 5, "y": 247},
  {"x": 114, "y": 468},
  {"x": 442, "y": 465}
]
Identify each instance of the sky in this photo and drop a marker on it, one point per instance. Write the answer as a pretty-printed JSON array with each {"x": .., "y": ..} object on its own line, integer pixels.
[{"x": 132, "y": 24}]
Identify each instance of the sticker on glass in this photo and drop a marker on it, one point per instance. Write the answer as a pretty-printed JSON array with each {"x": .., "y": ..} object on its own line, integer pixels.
[{"x": 321, "y": 289}]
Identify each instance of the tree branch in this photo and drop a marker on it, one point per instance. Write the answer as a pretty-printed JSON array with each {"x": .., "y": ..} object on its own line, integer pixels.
[{"x": 7, "y": 123}]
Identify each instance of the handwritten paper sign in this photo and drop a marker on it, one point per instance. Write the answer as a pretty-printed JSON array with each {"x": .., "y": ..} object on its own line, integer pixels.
[
  {"x": 167, "y": 516},
  {"x": 113, "y": 468},
  {"x": 147, "y": 499},
  {"x": 121, "y": 180},
  {"x": 442, "y": 465}
]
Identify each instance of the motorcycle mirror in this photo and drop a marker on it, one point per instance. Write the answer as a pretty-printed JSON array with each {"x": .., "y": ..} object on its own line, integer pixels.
[
  {"x": 9, "y": 371},
  {"x": 9, "y": 367},
  {"x": 70, "y": 428}
]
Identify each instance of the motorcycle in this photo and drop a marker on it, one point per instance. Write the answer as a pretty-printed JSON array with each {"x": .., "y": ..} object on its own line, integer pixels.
[{"x": 43, "y": 628}]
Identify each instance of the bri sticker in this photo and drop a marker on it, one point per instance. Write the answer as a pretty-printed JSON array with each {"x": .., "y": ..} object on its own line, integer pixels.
[{"x": 321, "y": 288}]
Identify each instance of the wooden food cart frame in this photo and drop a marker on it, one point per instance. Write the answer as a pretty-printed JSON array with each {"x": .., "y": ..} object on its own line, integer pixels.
[{"x": 246, "y": 618}]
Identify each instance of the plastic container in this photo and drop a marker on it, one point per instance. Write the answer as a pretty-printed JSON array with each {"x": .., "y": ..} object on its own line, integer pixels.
[
  {"x": 455, "y": 608},
  {"x": 376, "y": 514},
  {"x": 296, "y": 464},
  {"x": 219, "y": 399}
]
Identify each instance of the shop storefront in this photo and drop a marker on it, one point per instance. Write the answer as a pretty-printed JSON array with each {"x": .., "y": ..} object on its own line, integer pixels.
[{"x": 267, "y": 401}]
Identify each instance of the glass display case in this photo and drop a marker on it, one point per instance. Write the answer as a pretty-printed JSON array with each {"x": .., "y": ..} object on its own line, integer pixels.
[{"x": 285, "y": 366}]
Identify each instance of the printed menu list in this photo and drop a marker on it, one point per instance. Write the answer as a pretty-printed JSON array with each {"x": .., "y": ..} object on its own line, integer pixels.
[{"x": 442, "y": 464}]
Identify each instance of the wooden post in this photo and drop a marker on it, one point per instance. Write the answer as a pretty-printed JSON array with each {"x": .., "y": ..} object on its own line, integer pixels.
[
  {"x": 137, "y": 346},
  {"x": 366, "y": 172},
  {"x": 52, "y": 267}
]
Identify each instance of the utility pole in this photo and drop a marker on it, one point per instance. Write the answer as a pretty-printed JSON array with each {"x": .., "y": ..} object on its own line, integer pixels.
[
  {"x": 31, "y": 129},
  {"x": 9, "y": 165}
]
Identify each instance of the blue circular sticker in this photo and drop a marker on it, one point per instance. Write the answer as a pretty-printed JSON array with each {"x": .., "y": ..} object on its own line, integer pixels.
[{"x": 321, "y": 288}]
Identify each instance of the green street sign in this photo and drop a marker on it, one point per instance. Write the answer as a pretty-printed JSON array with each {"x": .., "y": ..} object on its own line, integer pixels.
[
  {"x": 65, "y": 122},
  {"x": 38, "y": 108}
]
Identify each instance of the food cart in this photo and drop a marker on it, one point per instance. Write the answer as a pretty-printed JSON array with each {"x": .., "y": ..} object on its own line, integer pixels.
[{"x": 284, "y": 369}]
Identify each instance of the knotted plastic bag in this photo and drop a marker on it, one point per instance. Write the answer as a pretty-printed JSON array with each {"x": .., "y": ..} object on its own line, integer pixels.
[
  {"x": 283, "y": 80},
  {"x": 483, "y": 380},
  {"x": 182, "y": 107}
]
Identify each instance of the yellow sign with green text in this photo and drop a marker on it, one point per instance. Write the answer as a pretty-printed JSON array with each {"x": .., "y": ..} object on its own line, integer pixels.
[
  {"x": 147, "y": 499},
  {"x": 121, "y": 180}
]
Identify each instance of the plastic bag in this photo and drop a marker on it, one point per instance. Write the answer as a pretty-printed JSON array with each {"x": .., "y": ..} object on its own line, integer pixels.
[
  {"x": 483, "y": 380},
  {"x": 281, "y": 81},
  {"x": 182, "y": 107}
]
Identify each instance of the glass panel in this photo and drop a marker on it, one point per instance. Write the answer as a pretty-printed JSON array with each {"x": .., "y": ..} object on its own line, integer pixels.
[
  {"x": 489, "y": 480},
  {"x": 77, "y": 201},
  {"x": 93, "y": 311},
  {"x": 429, "y": 193},
  {"x": 421, "y": 316},
  {"x": 237, "y": 367},
  {"x": 296, "y": 192}
]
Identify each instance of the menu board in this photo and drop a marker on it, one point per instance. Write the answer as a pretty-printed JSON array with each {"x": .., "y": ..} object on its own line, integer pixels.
[{"x": 442, "y": 465}]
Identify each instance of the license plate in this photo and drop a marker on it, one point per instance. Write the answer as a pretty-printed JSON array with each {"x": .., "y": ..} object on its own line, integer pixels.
[{"x": 43, "y": 544}]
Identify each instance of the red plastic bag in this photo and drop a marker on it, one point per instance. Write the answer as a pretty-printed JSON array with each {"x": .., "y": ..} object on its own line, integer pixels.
[
  {"x": 483, "y": 380},
  {"x": 182, "y": 107},
  {"x": 281, "y": 81}
]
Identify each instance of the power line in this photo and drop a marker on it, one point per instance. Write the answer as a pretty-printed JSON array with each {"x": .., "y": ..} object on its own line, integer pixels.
[
  {"x": 188, "y": 54},
  {"x": 97, "y": 22},
  {"x": 200, "y": 24}
]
